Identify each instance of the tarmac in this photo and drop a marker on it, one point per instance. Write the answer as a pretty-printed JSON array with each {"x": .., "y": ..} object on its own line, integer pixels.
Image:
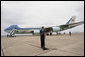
[{"x": 58, "y": 45}]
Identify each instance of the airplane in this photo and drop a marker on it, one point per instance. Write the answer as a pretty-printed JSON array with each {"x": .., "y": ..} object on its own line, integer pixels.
[{"x": 15, "y": 29}]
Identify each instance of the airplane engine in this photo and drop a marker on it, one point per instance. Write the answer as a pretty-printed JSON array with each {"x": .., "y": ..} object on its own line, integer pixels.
[
  {"x": 55, "y": 29},
  {"x": 36, "y": 32}
]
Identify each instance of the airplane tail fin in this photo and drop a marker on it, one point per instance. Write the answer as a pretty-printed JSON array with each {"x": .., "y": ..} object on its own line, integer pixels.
[{"x": 72, "y": 20}]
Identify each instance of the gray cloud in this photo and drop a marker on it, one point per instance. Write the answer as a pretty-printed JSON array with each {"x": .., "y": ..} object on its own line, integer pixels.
[{"x": 40, "y": 13}]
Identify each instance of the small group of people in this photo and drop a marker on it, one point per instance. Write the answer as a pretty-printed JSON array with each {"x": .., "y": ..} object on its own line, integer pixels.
[{"x": 69, "y": 33}]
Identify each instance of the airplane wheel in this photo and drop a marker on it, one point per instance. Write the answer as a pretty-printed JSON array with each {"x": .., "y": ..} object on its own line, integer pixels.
[
  {"x": 50, "y": 33},
  {"x": 47, "y": 34}
]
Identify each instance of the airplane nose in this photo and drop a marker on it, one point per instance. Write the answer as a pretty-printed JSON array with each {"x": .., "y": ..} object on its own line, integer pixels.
[{"x": 5, "y": 29}]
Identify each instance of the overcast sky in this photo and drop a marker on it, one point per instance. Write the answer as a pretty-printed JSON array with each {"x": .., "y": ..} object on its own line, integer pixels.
[{"x": 33, "y": 13}]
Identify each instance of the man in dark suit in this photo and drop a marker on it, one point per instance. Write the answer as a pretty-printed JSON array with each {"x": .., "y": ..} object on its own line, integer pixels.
[{"x": 42, "y": 38}]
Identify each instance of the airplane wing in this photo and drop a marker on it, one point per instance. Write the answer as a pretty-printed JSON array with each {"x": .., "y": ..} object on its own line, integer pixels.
[
  {"x": 64, "y": 27},
  {"x": 68, "y": 26}
]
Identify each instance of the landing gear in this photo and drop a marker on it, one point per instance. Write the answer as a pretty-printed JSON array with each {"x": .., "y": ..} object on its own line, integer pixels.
[
  {"x": 47, "y": 34},
  {"x": 50, "y": 33}
]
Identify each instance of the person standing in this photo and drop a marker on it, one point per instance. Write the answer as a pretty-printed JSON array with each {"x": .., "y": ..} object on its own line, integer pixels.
[
  {"x": 64, "y": 33},
  {"x": 42, "y": 38},
  {"x": 70, "y": 33}
]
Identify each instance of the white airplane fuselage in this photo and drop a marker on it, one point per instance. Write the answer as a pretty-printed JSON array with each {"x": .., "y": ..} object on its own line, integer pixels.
[{"x": 14, "y": 29}]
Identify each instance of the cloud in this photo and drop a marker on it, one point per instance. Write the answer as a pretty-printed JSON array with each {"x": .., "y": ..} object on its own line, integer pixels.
[{"x": 40, "y": 12}]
